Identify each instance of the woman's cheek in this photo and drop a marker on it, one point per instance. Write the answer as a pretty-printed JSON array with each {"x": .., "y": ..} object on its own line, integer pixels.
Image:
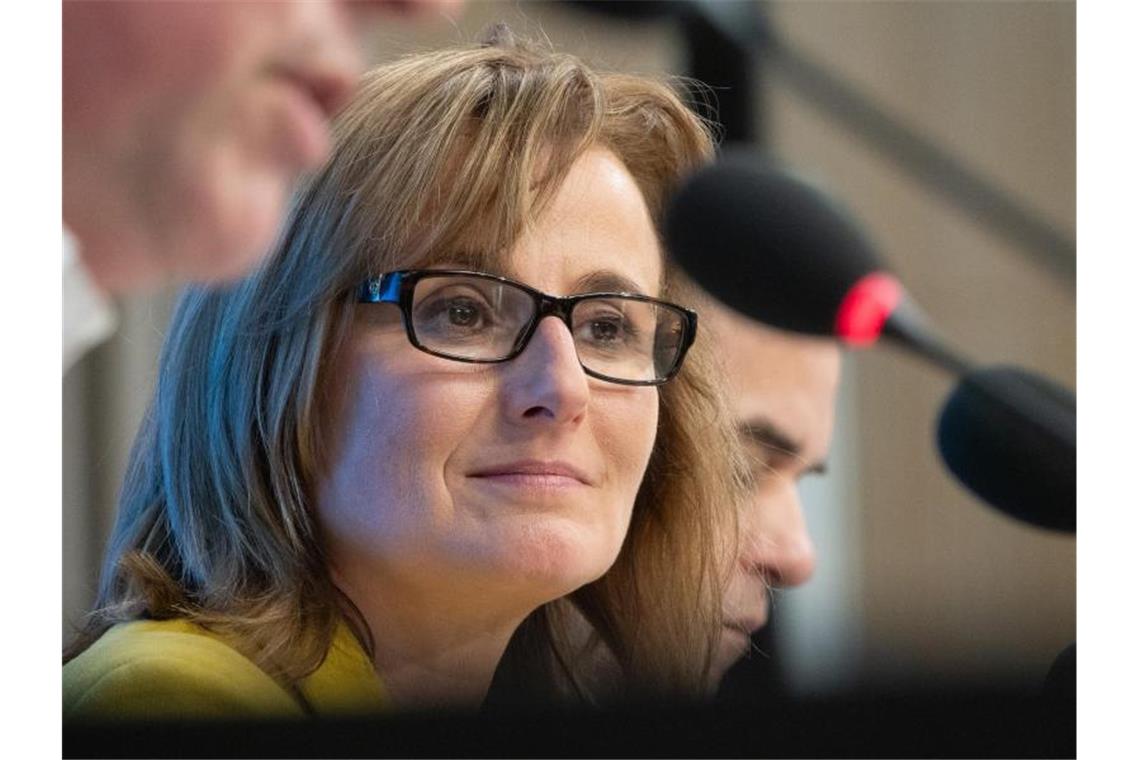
[{"x": 628, "y": 434}]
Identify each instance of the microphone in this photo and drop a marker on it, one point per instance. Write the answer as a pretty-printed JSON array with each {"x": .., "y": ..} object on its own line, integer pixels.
[
  {"x": 1011, "y": 438},
  {"x": 776, "y": 249}
]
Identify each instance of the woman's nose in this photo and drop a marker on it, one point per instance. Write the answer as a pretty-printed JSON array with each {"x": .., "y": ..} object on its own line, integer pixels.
[{"x": 546, "y": 381}]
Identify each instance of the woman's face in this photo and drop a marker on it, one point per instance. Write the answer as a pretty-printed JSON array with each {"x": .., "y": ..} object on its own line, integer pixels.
[{"x": 518, "y": 476}]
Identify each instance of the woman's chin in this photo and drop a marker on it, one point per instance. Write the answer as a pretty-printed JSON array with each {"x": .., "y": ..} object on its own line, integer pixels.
[{"x": 557, "y": 555}]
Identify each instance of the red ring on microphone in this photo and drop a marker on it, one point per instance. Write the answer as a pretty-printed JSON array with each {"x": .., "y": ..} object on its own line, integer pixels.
[{"x": 866, "y": 307}]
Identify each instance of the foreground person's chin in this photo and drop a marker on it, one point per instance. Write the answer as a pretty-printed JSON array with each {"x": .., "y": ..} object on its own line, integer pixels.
[{"x": 245, "y": 235}]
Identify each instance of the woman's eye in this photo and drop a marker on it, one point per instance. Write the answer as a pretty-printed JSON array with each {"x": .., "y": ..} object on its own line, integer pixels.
[
  {"x": 609, "y": 331},
  {"x": 454, "y": 315},
  {"x": 606, "y": 330},
  {"x": 463, "y": 313}
]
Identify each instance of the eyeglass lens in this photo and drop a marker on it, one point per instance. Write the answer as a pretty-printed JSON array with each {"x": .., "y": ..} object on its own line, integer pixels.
[{"x": 482, "y": 319}]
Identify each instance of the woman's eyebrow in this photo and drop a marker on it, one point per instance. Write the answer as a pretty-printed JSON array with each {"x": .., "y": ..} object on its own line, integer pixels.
[{"x": 606, "y": 280}]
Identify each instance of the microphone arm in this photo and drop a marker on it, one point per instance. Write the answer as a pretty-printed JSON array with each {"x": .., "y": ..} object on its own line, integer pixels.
[
  {"x": 748, "y": 28},
  {"x": 908, "y": 327}
]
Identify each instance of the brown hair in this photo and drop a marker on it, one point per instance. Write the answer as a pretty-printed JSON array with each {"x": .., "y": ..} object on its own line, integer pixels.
[{"x": 443, "y": 151}]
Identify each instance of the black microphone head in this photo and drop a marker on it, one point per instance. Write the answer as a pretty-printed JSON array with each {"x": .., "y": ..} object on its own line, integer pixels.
[
  {"x": 1011, "y": 438},
  {"x": 767, "y": 243}
]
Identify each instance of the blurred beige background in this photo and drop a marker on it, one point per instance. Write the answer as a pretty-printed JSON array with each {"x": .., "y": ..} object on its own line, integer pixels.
[{"x": 916, "y": 579}]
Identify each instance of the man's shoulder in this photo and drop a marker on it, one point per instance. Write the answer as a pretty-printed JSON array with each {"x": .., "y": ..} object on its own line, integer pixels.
[{"x": 168, "y": 669}]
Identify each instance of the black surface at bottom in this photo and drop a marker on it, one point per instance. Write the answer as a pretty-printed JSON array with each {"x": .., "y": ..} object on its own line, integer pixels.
[{"x": 907, "y": 725}]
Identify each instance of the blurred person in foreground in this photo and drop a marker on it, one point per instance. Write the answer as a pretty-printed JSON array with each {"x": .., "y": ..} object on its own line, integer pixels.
[
  {"x": 185, "y": 125},
  {"x": 451, "y": 406}
]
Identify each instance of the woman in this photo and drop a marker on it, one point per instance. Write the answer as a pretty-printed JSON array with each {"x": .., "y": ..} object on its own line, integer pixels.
[{"x": 419, "y": 426}]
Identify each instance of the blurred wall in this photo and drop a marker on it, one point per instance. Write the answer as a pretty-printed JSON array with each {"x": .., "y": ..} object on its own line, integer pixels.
[{"x": 916, "y": 580}]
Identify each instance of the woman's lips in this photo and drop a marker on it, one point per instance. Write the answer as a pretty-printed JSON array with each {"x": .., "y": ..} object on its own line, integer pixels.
[
  {"x": 528, "y": 480},
  {"x": 533, "y": 474}
]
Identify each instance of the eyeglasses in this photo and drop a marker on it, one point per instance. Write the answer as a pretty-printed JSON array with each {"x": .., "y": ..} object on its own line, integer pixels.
[{"x": 475, "y": 317}]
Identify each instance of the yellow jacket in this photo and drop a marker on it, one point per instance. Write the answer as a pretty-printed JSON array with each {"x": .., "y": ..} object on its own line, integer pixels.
[{"x": 163, "y": 669}]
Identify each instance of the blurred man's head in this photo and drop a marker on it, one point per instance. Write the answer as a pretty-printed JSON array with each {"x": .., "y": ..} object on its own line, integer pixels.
[
  {"x": 185, "y": 125},
  {"x": 783, "y": 393}
]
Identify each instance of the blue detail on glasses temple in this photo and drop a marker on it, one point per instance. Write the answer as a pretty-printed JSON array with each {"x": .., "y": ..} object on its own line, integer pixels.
[{"x": 382, "y": 289}]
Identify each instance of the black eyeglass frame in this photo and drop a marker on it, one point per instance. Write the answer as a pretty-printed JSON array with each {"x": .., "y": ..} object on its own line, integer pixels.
[{"x": 398, "y": 288}]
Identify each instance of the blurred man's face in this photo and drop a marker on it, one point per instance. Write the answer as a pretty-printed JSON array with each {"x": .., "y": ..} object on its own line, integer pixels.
[
  {"x": 783, "y": 389},
  {"x": 185, "y": 125}
]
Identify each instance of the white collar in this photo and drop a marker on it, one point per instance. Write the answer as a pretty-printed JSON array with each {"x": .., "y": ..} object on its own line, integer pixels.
[{"x": 88, "y": 314}]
